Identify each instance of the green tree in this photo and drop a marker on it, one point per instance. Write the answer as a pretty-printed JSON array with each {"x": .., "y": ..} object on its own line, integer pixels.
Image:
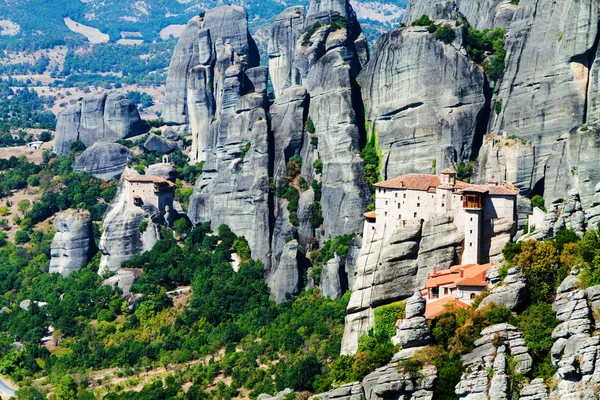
[{"x": 66, "y": 389}]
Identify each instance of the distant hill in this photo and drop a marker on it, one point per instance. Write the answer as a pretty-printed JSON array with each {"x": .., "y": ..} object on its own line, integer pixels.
[{"x": 34, "y": 24}]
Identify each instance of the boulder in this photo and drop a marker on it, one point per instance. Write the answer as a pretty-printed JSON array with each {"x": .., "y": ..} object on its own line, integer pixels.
[
  {"x": 106, "y": 161},
  {"x": 156, "y": 144},
  {"x": 512, "y": 294},
  {"x": 124, "y": 279},
  {"x": 101, "y": 118},
  {"x": 73, "y": 242}
]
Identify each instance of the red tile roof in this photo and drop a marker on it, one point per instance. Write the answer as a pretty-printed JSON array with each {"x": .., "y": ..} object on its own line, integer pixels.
[
  {"x": 440, "y": 306},
  {"x": 473, "y": 275},
  {"x": 429, "y": 183},
  {"x": 421, "y": 182},
  {"x": 370, "y": 215},
  {"x": 448, "y": 171}
]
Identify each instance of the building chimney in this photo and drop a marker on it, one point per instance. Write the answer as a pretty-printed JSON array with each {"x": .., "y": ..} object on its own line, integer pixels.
[
  {"x": 462, "y": 272},
  {"x": 434, "y": 272}
]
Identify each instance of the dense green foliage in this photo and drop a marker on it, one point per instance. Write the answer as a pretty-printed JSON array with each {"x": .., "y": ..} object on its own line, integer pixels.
[
  {"x": 23, "y": 108},
  {"x": 480, "y": 43},
  {"x": 538, "y": 201},
  {"x": 371, "y": 156},
  {"x": 227, "y": 310}
]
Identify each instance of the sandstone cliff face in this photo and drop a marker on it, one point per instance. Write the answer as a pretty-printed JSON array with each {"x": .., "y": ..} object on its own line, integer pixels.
[
  {"x": 73, "y": 242},
  {"x": 103, "y": 118},
  {"x": 200, "y": 85},
  {"x": 106, "y": 161},
  {"x": 486, "y": 14},
  {"x": 122, "y": 237},
  {"x": 419, "y": 120},
  {"x": 544, "y": 92},
  {"x": 392, "y": 267}
]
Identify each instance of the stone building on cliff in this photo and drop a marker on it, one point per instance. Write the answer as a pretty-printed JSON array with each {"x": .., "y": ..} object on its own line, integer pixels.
[
  {"x": 151, "y": 190},
  {"x": 416, "y": 198}
]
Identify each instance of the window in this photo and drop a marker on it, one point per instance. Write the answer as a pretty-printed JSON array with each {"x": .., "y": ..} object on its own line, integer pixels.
[
  {"x": 404, "y": 195},
  {"x": 445, "y": 290},
  {"x": 415, "y": 215},
  {"x": 471, "y": 219},
  {"x": 442, "y": 204},
  {"x": 398, "y": 206},
  {"x": 396, "y": 195},
  {"x": 472, "y": 296},
  {"x": 418, "y": 204},
  {"x": 470, "y": 244},
  {"x": 386, "y": 213},
  {"x": 418, "y": 197},
  {"x": 386, "y": 202}
]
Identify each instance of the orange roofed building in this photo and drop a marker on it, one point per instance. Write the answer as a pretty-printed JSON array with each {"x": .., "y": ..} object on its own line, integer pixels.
[
  {"x": 454, "y": 287},
  {"x": 151, "y": 190},
  {"x": 415, "y": 198}
]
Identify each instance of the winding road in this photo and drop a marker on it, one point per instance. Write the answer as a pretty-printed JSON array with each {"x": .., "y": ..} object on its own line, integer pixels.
[{"x": 5, "y": 389}]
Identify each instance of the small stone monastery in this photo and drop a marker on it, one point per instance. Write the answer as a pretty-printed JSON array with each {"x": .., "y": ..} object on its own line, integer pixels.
[{"x": 415, "y": 198}]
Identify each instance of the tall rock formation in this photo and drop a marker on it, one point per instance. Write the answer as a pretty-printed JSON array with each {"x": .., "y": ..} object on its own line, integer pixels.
[
  {"x": 314, "y": 58},
  {"x": 486, "y": 14},
  {"x": 201, "y": 89},
  {"x": 551, "y": 47},
  {"x": 392, "y": 267},
  {"x": 122, "y": 237},
  {"x": 102, "y": 118},
  {"x": 216, "y": 90},
  {"x": 73, "y": 242},
  {"x": 422, "y": 122}
]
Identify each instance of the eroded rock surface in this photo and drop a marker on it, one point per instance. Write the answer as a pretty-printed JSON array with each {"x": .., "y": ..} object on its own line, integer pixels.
[
  {"x": 122, "y": 237},
  {"x": 106, "y": 161},
  {"x": 102, "y": 118},
  {"x": 434, "y": 121},
  {"x": 73, "y": 242}
]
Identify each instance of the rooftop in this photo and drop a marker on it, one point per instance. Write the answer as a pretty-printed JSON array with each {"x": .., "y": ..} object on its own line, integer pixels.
[
  {"x": 472, "y": 275},
  {"x": 149, "y": 179},
  {"x": 429, "y": 183},
  {"x": 411, "y": 181},
  {"x": 370, "y": 215},
  {"x": 440, "y": 306}
]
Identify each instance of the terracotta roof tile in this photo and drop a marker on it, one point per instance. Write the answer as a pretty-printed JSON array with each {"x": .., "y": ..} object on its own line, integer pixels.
[
  {"x": 440, "y": 306},
  {"x": 448, "y": 171},
  {"x": 370, "y": 215},
  {"x": 421, "y": 182}
]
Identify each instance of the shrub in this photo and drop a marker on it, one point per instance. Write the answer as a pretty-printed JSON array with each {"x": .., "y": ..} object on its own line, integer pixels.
[
  {"x": 423, "y": 20},
  {"x": 538, "y": 201},
  {"x": 21, "y": 237},
  {"x": 386, "y": 318},
  {"x": 445, "y": 33},
  {"x": 310, "y": 126},
  {"x": 498, "y": 106},
  {"x": 318, "y": 166},
  {"x": 143, "y": 226}
]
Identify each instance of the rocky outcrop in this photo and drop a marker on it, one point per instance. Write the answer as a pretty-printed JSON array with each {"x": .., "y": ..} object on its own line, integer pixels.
[
  {"x": 159, "y": 145},
  {"x": 285, "y": 280},
  {"x": 122, "y": 237},
  {"x": 487, "y": 366},
  {"x": 106, "y": 161},
  {"x": 102, "y": 118},
  {"x": 285, "y": 31},
  {"x": 544, "y": 91},
  {"x": 435, "y": 121},
  {"x": 576, "y": 349},
  {"x": 392, "y": 267},
  {"x": 124, "y": 279},
  {"x": 593, "y": 214},
  {"x": 413, "y": 330},
  {"x": 348, "y": 391},
  {"x": 200, "y": 85},
  {"x": 486, "y": 14},
  {"x": 511, "y": 293},
  {"x": 392, "y": 381},
  {"x": 73, "y": 242},
  {"x": 163, "y": 170},
  {"x": 562, "y": 214}
]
